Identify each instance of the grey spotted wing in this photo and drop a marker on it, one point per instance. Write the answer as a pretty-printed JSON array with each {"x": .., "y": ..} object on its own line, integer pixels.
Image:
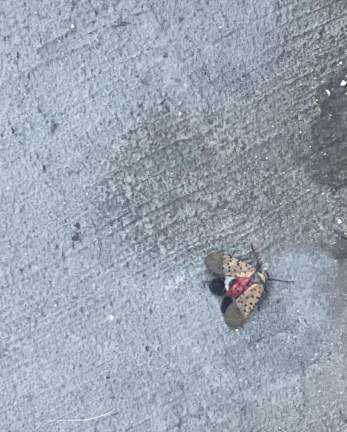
[
  {"x": 217, "y": 262},
  {"x": 247, "y": 301},
  {"x": 238, "y": 311}
]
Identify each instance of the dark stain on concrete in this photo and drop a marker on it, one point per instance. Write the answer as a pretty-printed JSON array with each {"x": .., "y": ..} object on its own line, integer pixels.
[
  {"x": 340, "y": 248},
  {"x": 76, "y": 236},
  {"x": 329, "y": 133},
  {"x": 53, "y": 127}
]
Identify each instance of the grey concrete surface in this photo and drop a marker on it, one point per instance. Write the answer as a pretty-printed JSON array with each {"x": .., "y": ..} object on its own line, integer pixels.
[{"x": 134, "y": 138}]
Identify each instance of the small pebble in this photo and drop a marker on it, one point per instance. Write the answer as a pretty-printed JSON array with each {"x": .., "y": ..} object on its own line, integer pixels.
[
  {"x": 339, "y": 221},
  {"x": 328, "y": 92},
  {"x": 343, "y": 83}
]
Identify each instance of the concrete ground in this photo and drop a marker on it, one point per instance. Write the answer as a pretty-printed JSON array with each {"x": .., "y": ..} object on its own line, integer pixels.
[{"x": 134, "y": 138}]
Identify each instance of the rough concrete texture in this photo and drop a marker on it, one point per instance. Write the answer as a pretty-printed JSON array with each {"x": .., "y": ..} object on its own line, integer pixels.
[{"x": 135, "y": 137}]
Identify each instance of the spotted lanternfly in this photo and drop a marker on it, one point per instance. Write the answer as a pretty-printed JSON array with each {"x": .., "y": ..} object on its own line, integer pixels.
[{"x": 242, "y": 285}]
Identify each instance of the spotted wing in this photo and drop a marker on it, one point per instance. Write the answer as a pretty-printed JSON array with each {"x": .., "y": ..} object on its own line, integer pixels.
[
  {"x": 238, "y": 311},
  {"x": 216, "y": 262},
  {"x": 247, "y": 301}
]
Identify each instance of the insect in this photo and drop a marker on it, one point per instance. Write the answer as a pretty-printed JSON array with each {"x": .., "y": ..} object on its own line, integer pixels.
[{"x": 242, "y": 285}]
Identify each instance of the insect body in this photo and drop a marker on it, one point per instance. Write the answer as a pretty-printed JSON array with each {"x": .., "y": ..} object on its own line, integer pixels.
[
  {"x": 244, "y": 290},
  {"x": 238, "y": 286}
]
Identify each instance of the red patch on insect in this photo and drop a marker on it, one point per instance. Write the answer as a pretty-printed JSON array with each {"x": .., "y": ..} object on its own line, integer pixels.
[{"x": 238, "y": 287}]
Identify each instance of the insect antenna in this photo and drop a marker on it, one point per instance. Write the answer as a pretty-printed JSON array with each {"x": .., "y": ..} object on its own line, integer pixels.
[
  {"x": 281, "y": 280},
  {"x": 259, "y": 265}
]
